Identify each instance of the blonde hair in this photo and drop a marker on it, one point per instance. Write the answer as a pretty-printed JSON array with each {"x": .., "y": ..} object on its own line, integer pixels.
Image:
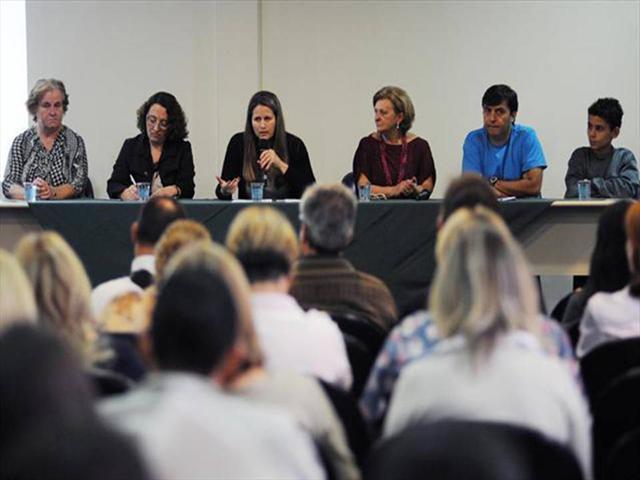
[
  {"x": 61, "y": 288},
  {"x": 401, "y": 104},
  {"x": 632, "y": 230},
  {"x": 216, "y": 259},
  {"x": 16, "y": 295},
  {"x": 176, "y": 236},
  {"x": 483, "y": 286},
  {"x": 263, "y": 236}
]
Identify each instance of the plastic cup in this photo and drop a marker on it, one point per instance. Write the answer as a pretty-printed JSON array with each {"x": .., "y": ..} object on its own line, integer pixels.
[
  {"x": 584, "y": 189},
  {"x": 30, "y": 192},
  {"x": 364, "y": 192},
  {"x": 143, "y": 190},
  {"x": 257, "y": 191}
]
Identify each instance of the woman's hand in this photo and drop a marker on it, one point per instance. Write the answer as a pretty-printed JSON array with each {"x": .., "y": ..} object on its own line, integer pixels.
[
  {"x": 168, "y": 191},
  {"x": 228, "y": 187},
  {"x": 406, "y": 188},
  {"x": 270, "y": 158},
  {"x": 45, "y": 191},
  {"x": 130, "y": 193}
]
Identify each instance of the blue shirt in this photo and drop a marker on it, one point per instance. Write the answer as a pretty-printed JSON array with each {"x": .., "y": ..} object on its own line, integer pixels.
[{"x": 508, "y": 162}]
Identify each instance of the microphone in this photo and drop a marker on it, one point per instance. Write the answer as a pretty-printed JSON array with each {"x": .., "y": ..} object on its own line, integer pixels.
[{"x": 262, "y": 146}]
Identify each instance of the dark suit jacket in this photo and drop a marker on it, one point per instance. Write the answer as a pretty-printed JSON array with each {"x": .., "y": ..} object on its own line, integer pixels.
[{"x": 175, "y": 166}]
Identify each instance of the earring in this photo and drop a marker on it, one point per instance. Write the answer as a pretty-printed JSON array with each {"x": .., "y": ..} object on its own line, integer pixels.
[{"x": 398, "y": 126}]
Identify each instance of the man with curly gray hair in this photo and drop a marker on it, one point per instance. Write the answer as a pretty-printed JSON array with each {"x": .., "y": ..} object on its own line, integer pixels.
[{"x": 323, "y": 278}]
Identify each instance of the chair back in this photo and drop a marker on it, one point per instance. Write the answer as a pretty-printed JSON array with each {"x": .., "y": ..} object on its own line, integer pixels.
[
  {"x": 107, "y": 383},
  {"x": 456, "y": 449},
  {"x": 370, "y": 333},
  {"x": 605, "y": 363},
  {"x": 616, "y": 414},
  {"x": 623, "y": 462},
  {"x": 356, "y": 429}
]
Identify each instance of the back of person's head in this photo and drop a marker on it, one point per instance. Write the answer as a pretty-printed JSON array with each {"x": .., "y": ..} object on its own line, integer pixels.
[
  {"x": 328, "y": 215},
  {"x": 217, "y": 259},
  {"x": 16, "y": 295},
  {"x": 483, "y": 286},
  {"x": 609, "y": 109},
  {"x": 61, "y": 287},
  {"x": 195, "y": 322},
  {"x": 467, "y": 191},
  {"x": 90, "y": 451},
  {"x": 176, "y": 236},
  {"x": 632, "y": 227},
  {"x": 496, "y": 94},
  {"x": 41, "y": 381},
  {"x": 155, "y": 216},
  {"x": 264, "y": 242},
  {"x": 609, "y": 269}
]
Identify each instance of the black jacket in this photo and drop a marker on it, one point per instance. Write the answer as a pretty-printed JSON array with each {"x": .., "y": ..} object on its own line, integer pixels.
[{"x": 175, "y": 166}]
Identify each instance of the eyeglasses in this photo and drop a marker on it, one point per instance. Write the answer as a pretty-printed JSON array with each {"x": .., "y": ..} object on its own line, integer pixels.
[{"x": 153, "y": 121}]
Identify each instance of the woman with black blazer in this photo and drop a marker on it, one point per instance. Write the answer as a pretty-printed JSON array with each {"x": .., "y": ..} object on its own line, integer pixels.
[{"x": 160, "y": 154}]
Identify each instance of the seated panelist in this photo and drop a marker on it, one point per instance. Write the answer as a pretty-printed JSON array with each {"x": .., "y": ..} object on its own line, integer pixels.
[
  {"x": 49, "y": 154},
  {"x": 265, "y": 152},
  {"x": 613, "y": 171},
  {"x": 160, "y": 154},
  {"x": 507, "y": 154},
  {"x": 396, "y": 163}
]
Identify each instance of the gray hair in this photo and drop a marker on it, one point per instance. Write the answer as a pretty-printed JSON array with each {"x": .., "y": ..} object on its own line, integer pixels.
[
  {"x": 483, "y": 286},
  {"x": 329, "y": 214},
  {"x": 42, "y": 86}
]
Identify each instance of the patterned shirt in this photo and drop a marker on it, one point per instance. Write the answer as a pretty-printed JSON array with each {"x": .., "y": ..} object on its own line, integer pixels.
[
  {"x": 416, "y": 337},
  {"x": 65, "y": 163}
]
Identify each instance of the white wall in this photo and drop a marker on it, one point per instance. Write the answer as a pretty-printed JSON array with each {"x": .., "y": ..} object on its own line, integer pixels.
[
  {"x": 325, "y": 60},
  {"x": 113, "y": 55}
]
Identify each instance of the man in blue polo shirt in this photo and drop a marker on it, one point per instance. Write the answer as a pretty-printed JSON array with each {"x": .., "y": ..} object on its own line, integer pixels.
[{"x": 508, "y": 155}]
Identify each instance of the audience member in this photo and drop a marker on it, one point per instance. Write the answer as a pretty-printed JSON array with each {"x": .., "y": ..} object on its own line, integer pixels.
[
  {"x": 323, "y": 278},
  {"x": 155, "y": 216},
  {"x": 187, "y": 427},
  {"x": 265, "y": 152},
  {"x": 49, "y": 426},
  {"x": 49, "y": 155},
  {"x": 416, "y": 336},
  {"x": 507, "y": 154},
  {"x": 609, "y": 268},
  {"x": 298, "y": 394},
  {"x": 491, "y": 364},
  {"x": 613, "y": 171},
  {"x": 160, "y": 154},
  {"x": 612, "y": 316},
  {"x": 61, "y": 289},
  {"x": 265, "y": 243},
  {"x": 396, "y": 163},
  {"x": 122, "y": 322},
  {"x": 17, "y": 303}
]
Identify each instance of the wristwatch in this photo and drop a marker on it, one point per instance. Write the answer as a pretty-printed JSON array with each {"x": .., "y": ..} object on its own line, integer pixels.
[{"x": 493, "y": 180}]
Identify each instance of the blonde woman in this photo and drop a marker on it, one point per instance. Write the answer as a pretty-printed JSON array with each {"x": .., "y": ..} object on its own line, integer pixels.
[
  {"x": 16, "y": 296},
  {"x": 491, "y": 364},
  {"x": 61, "y": 289},
  {"x": 266, "y": 245}
]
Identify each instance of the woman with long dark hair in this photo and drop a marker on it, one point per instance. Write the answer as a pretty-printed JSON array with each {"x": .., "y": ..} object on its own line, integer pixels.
[{"x": 265, "y": 152}]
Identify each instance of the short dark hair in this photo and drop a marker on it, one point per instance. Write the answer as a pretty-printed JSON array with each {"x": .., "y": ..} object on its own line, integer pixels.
[
  {"x": 194, "y": 322},
  {"x": 177, "y": 129},
  {"x": 468, "y": 191},
  {"x": 155, "y": 216},
  {"x": 496, "y": 94},
  {"x": 609, "y": 109},
  {"x": 41, "y": 380}
]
